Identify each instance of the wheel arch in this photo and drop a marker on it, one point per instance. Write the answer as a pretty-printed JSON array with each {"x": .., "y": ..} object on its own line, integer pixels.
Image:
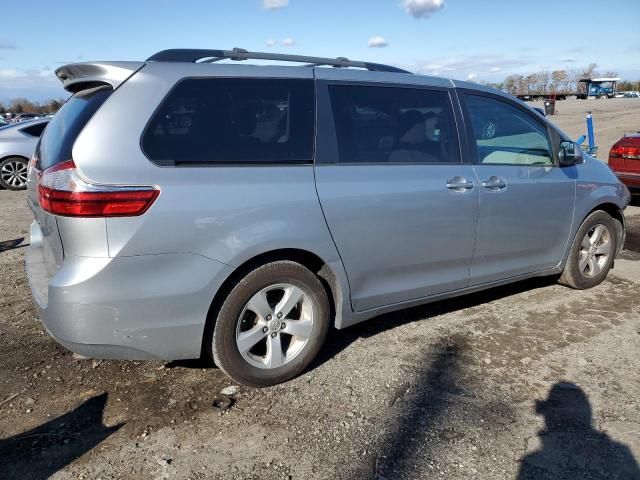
[
  {"x": 2, "y": 159},
  {"x": 616, "y": 213},
  {"x": 323, "y": 270}
]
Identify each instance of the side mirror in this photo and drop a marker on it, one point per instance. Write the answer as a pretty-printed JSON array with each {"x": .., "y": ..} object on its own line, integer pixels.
[{"x": 570, "y": 154}]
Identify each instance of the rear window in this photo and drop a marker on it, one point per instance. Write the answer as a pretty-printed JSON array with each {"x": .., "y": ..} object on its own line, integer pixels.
[
  {"x": 233, "y": 121},
  {"x": 58, "y": 138}
]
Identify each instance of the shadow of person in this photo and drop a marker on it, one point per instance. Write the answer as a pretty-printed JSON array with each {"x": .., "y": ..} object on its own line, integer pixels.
[
  {"x": 426, "y": 400},
  {"x": 571, "y": 447},
  {"x": 11, "y": 244},
  {"x": 40, "y": 452}
]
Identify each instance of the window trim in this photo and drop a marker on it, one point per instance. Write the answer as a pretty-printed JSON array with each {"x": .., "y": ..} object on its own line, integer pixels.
[
  {"x": 471, "y": 138},
  {"x": 227, "y": 164},
  {"x": 327, "y": 151}
]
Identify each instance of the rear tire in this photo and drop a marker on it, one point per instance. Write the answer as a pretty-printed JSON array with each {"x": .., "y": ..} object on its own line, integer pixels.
[
  {"x": 592, "y": 252},
  {"x": 13, "y": 173},
  {"x": 255, "y": 346}
]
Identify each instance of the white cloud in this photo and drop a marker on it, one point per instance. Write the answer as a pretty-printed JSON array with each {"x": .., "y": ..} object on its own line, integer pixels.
[
  {"x": 288, "y": 42},
  {"x": 271, "y": 43},
  {"x": 568, "y": 59},
  {"x": 461, "y": 66},
  {"x": 377, "y": 42},
  {"x": 13, "y": 74},
  {"x": 472, "y": 76},
  {"x": 35, "y": 84},
  {"x": 423, "y": 8},
  {"x": 274, "y": 4}
]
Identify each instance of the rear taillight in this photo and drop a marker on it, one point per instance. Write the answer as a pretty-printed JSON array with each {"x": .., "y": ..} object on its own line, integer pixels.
[
  {"x": 627, "y": 147},
  {"x": 62, "y": 191}
]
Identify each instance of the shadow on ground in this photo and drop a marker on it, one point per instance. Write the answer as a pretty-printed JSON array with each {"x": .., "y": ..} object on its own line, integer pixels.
[
  {"x": 338, "y": 340},
  {"x": 427, "y": 400},
  {"x": 632, "y": 242},
  {"x": 571, "y": 447},
  {"x": 11, "y": 244},
  {"x": 42, "y": 451}
]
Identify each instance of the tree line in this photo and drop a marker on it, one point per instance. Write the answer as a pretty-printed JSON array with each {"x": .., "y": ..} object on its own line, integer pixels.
[
  {"x": 24, "y": 105},
  {"x": 557, "y": 81}
]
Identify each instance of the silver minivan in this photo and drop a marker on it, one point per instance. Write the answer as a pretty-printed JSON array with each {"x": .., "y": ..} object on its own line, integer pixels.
[{"x": 186, "y": 206}]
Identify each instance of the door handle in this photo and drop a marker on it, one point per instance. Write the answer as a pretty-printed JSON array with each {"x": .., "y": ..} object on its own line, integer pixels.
[
  {"x": 494, "y": 183},
  {"x": 459, "y": 184}
]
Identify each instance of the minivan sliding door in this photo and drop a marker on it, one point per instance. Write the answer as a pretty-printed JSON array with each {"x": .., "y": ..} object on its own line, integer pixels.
[{"x": 400, "y": 204}]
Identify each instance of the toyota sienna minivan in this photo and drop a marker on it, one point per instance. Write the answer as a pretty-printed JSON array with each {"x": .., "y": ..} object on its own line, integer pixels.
[{"x": 186, "y": 207}]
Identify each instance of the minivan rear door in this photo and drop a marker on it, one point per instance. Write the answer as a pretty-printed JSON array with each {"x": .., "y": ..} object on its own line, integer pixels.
[{"x": 400, "y": 204}]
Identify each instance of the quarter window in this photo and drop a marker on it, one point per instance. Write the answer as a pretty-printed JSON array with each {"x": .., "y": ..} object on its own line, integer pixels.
[
  {"x": 393, "y": 125},
  {"x": 246, "y": 121},
  {"x": 505, "y": 134},
  {"x": 35, "y": 130}
]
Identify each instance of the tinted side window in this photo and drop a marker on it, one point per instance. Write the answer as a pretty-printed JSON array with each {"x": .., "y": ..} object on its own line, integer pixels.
[
  {"x": 393, "y": 124},
  {"x": 35, "y": 130},
  {"x": 506, "y": 135},
  {"x": 239, "y": 120},
  {"x": 63, "y": 129}
]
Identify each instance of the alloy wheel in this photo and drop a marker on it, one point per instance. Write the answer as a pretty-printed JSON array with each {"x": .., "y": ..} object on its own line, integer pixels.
[
  {"x": 275, "y": 325},
  {"x": 14, "y": 173},
  {"x": 595, "y": 250}
]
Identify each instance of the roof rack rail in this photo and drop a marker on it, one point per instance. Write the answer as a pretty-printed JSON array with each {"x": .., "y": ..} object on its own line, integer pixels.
[{"x": 239, "y": 54}]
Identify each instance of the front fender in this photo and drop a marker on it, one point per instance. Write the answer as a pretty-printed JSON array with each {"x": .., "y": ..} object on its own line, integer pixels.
[{"x": 598, "y": 188}]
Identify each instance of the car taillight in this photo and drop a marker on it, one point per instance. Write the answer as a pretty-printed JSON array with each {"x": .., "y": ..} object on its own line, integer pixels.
[
  {"x": 62, "y": 191},
  {"x": 626, "y": 149}
]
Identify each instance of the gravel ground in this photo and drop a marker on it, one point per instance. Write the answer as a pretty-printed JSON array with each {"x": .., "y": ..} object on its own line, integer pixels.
[
  {"x": 529, "y": 381},
  {"x": 612, "y": 118}
]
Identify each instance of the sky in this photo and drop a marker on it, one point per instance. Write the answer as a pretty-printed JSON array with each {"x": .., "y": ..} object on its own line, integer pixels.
[{"x": 463, "y": 39}]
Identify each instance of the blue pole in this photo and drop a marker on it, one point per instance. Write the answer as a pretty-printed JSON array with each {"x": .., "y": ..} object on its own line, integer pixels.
[{"x": 590, "y": 131}]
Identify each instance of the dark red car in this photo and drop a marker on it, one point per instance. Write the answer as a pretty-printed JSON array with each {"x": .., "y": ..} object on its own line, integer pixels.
[{"x": 624, "y": 160}]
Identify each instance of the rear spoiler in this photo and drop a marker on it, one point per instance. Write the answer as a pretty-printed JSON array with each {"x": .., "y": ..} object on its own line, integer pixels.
[{"x": 78, "y": 76}]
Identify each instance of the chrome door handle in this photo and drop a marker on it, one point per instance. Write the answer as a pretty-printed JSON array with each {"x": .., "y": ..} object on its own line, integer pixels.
[
  {"x": 494, "y": 183},
  {"x": 459, "y": 184}
]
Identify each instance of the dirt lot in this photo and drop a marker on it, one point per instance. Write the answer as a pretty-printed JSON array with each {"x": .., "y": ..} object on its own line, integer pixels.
[
  {"x": 612, "y": 119},
  {"x": 530, "y": 381}
]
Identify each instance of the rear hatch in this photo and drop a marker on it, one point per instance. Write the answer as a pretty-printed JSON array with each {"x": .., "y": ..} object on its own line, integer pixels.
[{"x": 46, "y": 251}]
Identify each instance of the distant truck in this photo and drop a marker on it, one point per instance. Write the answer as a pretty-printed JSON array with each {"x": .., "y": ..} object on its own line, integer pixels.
[
  {"x": 593, "y": 88},
  {"x": 599, "y": 87}
]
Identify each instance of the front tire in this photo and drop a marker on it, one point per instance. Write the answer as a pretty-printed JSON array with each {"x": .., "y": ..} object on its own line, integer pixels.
[
  {"x": 592, "y": 253},
  {"x": 271, "y": 325}
]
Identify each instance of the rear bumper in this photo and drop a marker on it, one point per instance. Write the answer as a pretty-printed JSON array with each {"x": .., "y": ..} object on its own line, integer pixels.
[
  {"x": 631, "y": 180},
  {"x": 142, "y": 307}
]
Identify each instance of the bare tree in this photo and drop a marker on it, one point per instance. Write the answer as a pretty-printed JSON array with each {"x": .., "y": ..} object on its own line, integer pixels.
[
  {"x": 590, "y": 71},
  {"x": 20, "y": 105},
  {"x": 513, "y": 84},
  {"x": 530, "y": 83},
  {"x": 559, "y": 80},
  {"x": 542, "y": 81}
]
